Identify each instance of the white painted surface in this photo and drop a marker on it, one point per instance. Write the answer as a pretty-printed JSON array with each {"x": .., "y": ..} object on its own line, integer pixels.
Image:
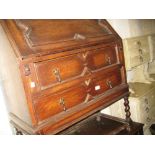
[
  {"x": 121, "y": 26},
  {"x": 5, "y": 128}
]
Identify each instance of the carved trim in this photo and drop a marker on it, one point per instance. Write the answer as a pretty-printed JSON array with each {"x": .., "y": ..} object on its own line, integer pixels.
[
  {"x": 87, "y": 82},
  {"x": 26, "y": 31},
  {"x": 87, "y": 98},
  {"x": 101, "y": 23},
  {"x": 86, "y": 70},
  {"x": 84, "y": 55},
  {"x": 21, "y": 25}
]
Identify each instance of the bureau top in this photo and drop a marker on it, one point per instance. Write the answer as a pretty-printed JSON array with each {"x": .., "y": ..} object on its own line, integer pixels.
[{"x": 32, "y": 38}]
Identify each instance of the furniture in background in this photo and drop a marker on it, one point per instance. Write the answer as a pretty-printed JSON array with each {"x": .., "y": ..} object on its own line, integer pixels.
[{"x": 139, "y": 60}]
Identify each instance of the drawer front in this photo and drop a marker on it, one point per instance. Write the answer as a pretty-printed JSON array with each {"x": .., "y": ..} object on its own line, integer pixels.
[
  {"x": 102, "y": 57},
  {"x": 51, "y": 105},
  {"x": 105, "y": 82},
  {"x": 87, "y": 109},
  {"x": 58, "y": 70},
  {"x": 52, "y": 35},
  {"x": 137, "y": 50}
]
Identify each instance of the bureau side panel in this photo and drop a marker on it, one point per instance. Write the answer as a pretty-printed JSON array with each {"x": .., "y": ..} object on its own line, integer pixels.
[{"x": 12, "y": 83}]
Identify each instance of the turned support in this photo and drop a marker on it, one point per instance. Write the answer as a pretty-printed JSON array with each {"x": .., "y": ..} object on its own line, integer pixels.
[
  {"x": 18, "y": 132},
  {"x": 127, "y": 111}
]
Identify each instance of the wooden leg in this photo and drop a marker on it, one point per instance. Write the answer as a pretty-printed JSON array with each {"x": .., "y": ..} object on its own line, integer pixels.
[
  {"x": 127, "y": 111},
  {"x": 18, "y": 132}
]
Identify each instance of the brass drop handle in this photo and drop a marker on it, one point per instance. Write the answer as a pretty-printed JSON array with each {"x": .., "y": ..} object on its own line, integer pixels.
[
  {"x": 147, "y": 109},
  {"x": 138, "y": 43},
  {"x": 140, "y": 51},
  {"x": 108, "y": 60},
  {"x": 109, "y": 84},
  {"x": 62, "y": 103},
  {"x": 148, "y": 119},
  {"x": 141, "y": 58},
  {"x": 56, "y": 72}
]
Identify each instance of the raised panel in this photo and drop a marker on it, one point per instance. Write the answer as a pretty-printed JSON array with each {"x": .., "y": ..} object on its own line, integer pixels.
[
  {"x": 106, "y": 81},
  {"x": 60, "y": 30},
  {"x": 53, "y": 104},
  {"x": 59, "y": 70},
  {"x": 102, "y": 57}
]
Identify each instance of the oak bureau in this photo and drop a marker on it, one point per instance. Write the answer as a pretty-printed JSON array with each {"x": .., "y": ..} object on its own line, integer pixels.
[{"x": 61, "y": 72}]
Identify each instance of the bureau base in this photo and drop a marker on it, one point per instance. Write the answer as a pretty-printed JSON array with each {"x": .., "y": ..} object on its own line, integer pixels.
[{"x": 97, "y": 124}]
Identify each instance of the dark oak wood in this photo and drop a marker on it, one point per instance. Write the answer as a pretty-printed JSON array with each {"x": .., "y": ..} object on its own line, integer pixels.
[
  {"x": 101, "y": 124},
  {"x": 70, "y": 69},
  {"x": 127, "y": 109},
  {"x": 60, "y": 102}
]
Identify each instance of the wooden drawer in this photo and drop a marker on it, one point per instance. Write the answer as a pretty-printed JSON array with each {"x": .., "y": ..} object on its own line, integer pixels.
[
  {"x": 83, "y": 110},
  {"x": 56, "y": 71},
  {"x": 53, "y": 36},
  {"x": 102, "y": 57},
  {"x": 137, "y": 51},
  {"x": 106, "y": 81},
  {"x": 53, "y": 104}
]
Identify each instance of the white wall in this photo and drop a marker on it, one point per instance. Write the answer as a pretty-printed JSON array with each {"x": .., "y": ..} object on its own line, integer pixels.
[
  {"x": 121, "y": 26},
  {"x": 133, "y": 27},
  {"x": 5, "y": 128}
]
